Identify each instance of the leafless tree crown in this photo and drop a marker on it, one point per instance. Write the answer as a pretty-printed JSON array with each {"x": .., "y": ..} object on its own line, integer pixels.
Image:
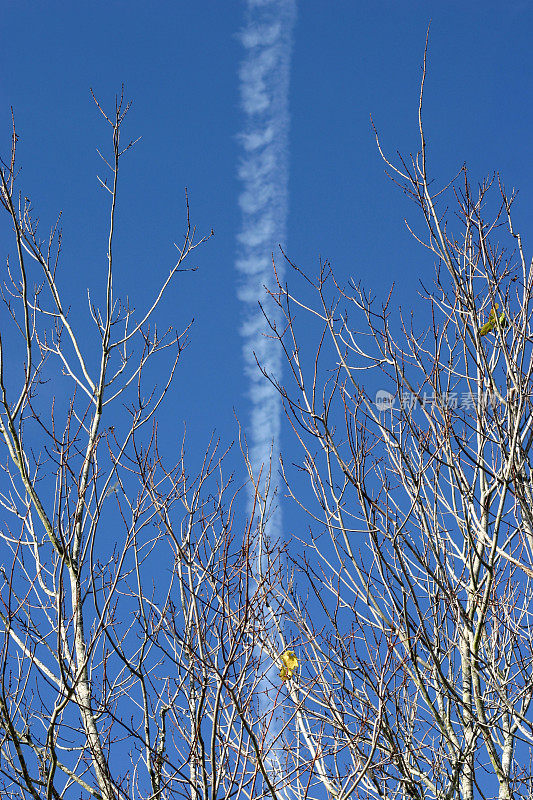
[{"x": 138, "y": 637}]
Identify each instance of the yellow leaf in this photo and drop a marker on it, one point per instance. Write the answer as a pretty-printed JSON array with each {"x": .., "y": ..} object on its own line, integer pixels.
[
  {"x": 487, "y": 328},
  {"x": 289, "y": 664},
  {"x": 491, "y": 324}
]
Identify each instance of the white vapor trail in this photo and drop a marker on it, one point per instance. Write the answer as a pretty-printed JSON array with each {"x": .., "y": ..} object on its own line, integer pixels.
[{"x": 263, "y": 171}]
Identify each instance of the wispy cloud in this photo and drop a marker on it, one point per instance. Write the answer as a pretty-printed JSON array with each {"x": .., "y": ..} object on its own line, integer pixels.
[{"x": 263, "y": 171}]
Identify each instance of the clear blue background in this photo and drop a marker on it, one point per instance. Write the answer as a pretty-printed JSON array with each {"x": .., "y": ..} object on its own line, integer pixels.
[{"x": 179, "y": 63}]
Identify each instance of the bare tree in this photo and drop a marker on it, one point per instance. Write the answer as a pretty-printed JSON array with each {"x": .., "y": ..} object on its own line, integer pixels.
[
  {"x": 130, "y": 620},
  {"x": 412, "y": 616},
  {"x": 136, "y": 626}
]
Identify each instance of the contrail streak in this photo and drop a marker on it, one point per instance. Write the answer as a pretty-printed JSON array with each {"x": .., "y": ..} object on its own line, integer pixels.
[
  {"x": 263, "y": 172},
  {"x": 264, "y": 84}
]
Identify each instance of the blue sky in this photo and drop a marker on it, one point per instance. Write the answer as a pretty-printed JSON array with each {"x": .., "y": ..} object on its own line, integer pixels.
[{"x": 179, "y": 63}]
